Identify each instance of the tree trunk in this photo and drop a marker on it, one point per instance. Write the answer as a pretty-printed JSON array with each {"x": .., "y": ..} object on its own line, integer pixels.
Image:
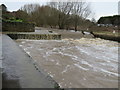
[
  {"x": 76, "y": 23},
  {"x": 75, "y": 28}
]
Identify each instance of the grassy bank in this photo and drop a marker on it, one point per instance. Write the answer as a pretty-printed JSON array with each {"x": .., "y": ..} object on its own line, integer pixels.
[{"x": 107, "y": 35}]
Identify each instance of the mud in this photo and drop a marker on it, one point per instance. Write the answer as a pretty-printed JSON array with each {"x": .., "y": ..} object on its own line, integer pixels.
[{"x": 79, "y": 63}]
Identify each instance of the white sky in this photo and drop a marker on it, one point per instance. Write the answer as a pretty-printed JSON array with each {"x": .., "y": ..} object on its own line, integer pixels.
[{"x": 99, "y": 7}]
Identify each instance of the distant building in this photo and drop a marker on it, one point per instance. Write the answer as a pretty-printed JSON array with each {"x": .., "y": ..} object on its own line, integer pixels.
[
  {"x": 0, "y": 13},
  {"x": 105, "y": 25},
  {"x": 0, "y": 8},
  {"x": 3, "y": 7}
]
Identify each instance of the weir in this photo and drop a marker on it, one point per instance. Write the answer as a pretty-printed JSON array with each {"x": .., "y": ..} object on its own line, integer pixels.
[{"x": 35, "y": 36}]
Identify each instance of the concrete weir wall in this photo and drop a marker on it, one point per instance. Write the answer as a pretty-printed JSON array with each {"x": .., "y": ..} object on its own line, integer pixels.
[{"x": 35, "y": 36}]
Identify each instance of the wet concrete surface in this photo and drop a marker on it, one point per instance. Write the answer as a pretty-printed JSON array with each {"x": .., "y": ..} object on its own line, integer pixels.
[
  {"x": 19, "y": 69},
  {"x": 76, "y": 63},
  {"x": 0, "y": 61}
]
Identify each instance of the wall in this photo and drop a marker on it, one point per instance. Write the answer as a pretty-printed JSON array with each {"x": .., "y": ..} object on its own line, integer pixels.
[
  {"x": 17, "y": 27},
  {"x": 35, "y": 36}
]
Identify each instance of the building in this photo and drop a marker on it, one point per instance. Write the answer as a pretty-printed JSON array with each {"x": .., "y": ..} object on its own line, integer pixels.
[
  {"x": 0, "y": 15},
  {"x": 3, "y": 7}
]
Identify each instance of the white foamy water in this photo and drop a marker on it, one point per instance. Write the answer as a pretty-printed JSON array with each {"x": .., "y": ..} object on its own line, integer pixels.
[{"x": 81, "y": 63}]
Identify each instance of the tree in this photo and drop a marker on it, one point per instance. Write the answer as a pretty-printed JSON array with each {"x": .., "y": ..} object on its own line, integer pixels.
[
  {"x": 114, "y": 20},
  {"x": 81, "y": 10},
  {"x": 61, "y": 14},
  {"x": 93, "y": 20},
  {"x": 30, "y": 8},
  {"x": 20, "y": 14},
  {"x": 64, "y": 9}
]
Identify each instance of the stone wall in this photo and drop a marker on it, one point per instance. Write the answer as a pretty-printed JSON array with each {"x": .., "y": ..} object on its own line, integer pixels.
[
  {"x": 17, "y": 27},
  {"x": 35, "y": 36}
]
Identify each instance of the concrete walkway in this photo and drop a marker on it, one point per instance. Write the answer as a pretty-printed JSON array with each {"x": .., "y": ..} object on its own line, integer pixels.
[
  {"x": 0, "y": 61},
  {"x": 19, "y": 68}
]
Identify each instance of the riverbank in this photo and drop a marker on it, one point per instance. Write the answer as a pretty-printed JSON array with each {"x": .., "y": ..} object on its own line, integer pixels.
[{"x": 107, "y": 35}]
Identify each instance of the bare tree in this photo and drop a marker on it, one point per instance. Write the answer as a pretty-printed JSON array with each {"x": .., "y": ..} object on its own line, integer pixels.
[
  {"x": 62, "y": 14},
  {"x": 81, "y": 10},
  {"x": 29, "y": 8},
  {"x": 64, "y": 9}
]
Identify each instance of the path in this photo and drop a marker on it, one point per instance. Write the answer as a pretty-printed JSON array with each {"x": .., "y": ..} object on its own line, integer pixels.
[{"x": 19, "y": 71}]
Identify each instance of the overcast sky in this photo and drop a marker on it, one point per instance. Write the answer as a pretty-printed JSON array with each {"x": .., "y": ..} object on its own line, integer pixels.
[{"x": 99, "y": 7}]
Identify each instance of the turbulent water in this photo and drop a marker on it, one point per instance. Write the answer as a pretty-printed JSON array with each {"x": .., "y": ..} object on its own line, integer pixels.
[{"x": 81, "y": 63}]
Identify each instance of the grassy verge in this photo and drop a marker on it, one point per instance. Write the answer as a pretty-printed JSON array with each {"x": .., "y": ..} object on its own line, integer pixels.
[{"x": 107, "y": 35}]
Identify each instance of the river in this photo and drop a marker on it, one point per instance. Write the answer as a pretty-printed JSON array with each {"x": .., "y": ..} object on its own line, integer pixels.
[{"x": 76, "y": 63}]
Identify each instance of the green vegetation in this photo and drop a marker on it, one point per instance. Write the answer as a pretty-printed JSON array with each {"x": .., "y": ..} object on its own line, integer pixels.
[
  {"x": 15, "y": 16},
  {"x": 13, "y": 19},
  {"x": 10, "y": 18},
  {"x": 107, "y": 33}
]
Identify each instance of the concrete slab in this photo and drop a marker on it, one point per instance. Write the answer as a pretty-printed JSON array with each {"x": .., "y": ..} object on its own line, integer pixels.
[
  {"x": 0, "y": 61},
  {"x": 0, "y": 51},
  {"x": 19, "y": 69}
]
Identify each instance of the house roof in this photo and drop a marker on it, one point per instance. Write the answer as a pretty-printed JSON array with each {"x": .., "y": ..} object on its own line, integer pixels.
[{"x": 3, "y": 5}]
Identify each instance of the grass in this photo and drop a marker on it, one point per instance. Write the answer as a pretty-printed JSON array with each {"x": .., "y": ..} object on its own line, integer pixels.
[{"x": 107, "y": 33}]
